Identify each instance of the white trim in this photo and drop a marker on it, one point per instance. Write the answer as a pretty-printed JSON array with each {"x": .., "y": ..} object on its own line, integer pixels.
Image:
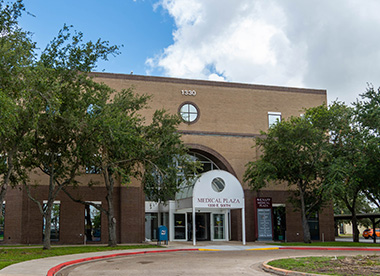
[
  {"x": 55, "y": 202},
  {"x": 95, "y": 202}
]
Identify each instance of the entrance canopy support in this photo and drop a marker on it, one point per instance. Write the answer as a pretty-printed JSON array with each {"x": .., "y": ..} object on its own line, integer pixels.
[
  {"x": 243, "y": 225},
  {"x": 194, "y": 222}
]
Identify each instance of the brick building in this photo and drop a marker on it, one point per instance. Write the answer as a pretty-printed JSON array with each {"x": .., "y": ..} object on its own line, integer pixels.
[{"x": 220, "y": 122}]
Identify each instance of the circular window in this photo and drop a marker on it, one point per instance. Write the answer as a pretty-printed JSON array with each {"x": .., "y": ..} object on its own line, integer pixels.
[
  {"x": 189, "y": 112},
  {"x": 218, "y": 184}
]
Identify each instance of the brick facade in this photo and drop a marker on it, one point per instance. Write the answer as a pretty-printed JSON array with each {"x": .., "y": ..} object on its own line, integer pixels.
[{"x": 230, "y": 116}]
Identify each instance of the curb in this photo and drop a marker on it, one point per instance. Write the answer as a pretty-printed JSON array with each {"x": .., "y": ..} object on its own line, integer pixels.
[
  {"x": 284, "y": 272},
  {"x": 264, "y": 248},
  {"x": 331, "y": 248},
  {"x": 52, "y": 271}
]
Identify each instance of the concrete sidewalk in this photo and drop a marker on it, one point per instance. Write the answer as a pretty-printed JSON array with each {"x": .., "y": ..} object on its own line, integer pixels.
[{"x": 41, "y": 267}]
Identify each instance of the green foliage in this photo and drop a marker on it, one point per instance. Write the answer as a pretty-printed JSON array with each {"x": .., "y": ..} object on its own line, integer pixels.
[
  {"x": 330, "y": 151},
  {"x": 124, "y": 146},
  {"x": 368, "y": 116},
  {"x": 68, "y": 52},
  {"x": 293, "y": 151}
]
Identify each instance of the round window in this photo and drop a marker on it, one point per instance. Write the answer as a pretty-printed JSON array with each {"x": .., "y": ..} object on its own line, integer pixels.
[
  {"x": 189, "y": 112},
  {"x": 218, "y": 184}
]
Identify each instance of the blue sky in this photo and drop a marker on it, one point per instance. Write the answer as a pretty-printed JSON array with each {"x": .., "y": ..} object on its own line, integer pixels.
[
  {"x": 142, "y": 29},
  {"x": 324, "y": 44}
]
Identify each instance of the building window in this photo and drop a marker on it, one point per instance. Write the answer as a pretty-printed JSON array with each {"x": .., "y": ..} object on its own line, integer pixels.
[
  {"x": 92, "y": 222},
  {"x": 273, "y": 118},
  {"x": 55, "y": 214},
  {"x": 218, "y": 184},
  {"x": 189, "y": 112},
  {"x": 207, "y": 164},
  {"x": 93, "y": 169}
]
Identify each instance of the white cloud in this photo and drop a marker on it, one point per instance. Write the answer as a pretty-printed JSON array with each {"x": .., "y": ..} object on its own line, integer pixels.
[{"x": 318, "y": 44}]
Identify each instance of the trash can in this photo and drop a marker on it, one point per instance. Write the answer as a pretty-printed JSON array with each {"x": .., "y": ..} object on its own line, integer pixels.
[{"x": 162, "y": 234}]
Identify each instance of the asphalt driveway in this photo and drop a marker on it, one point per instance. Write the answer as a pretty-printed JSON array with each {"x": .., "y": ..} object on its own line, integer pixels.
[{"x": 243, "y": 262}]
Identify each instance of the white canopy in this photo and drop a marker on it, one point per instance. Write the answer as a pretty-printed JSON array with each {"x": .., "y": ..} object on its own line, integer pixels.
[{"x": 214, "y": 189}]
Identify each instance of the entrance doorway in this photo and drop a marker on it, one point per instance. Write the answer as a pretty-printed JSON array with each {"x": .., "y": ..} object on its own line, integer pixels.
[
  {"x": 202, "y": 227},
  {"x": 279, "y": 223}
]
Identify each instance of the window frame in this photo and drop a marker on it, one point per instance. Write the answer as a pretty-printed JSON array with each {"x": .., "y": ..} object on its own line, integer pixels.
[
  {"x": 180, "y": 112},
  {"x": 276, "y": 115}
]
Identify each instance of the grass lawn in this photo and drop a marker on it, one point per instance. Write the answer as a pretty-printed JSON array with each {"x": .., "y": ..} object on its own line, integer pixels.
[
  {"x": 322, "y": 244},
  {"x": 12, "y": 255},
  {"x": 342, "y": 266}
]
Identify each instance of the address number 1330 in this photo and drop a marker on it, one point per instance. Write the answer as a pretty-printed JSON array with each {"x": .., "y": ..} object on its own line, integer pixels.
[{"x": 188, "y": 92}]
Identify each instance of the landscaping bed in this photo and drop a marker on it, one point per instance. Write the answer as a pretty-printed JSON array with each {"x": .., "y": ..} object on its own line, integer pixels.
[{"x": 347, "y": 266}]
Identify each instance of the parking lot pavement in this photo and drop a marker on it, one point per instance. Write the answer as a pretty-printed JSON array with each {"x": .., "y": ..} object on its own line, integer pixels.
[
  {"x": 361, "y": 239},
  {"x": 173, "y": 259},
  {"x": 242, "y": 262}
]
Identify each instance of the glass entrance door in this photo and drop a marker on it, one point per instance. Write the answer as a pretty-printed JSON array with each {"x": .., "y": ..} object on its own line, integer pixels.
[
  {"x": 180, "y": 226},
  {"x": 202, "y": 226},
  {"x": 219, "y": 223}
]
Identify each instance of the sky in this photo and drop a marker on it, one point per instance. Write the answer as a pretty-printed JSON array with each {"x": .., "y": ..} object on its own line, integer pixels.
[{"x": 322, "y": 44}]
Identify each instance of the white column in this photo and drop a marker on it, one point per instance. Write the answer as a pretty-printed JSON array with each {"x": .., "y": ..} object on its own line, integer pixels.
[
  {"x": 171, "y": 220},
  {"x": 194, "y": 234},
  {"x": 243, "y": 224},
  {"x": 226, "y": 226}
]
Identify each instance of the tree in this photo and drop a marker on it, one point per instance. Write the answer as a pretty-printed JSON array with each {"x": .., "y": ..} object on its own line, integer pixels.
[
  {"x": 348, "y": 165},
  {"x": 19, "y": 103},
  {"x": 293, "y": 151},
  {"x": 367, "y": 111},
  {"x": 56, "y": 143},
  {"x": 124, "y": 147}
]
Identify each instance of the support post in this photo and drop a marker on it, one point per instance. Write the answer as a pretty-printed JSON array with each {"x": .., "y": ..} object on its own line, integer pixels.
[
  {"x": 374, "y": 230},
  {"x": 194, "y": 222},
  {"x": 243, "y": 224}
]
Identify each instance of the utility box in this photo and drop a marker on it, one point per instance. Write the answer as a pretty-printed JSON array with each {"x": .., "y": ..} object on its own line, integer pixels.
[{"x": 162, "y": 234}]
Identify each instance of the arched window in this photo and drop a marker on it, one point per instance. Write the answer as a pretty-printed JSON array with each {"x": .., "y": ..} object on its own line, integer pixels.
[{"x": 207, "y": 164}]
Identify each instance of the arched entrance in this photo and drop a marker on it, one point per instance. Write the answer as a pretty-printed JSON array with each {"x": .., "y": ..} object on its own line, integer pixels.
[
  {"x": 208, "y": 201},
  {"x": 202, "y": 207}
]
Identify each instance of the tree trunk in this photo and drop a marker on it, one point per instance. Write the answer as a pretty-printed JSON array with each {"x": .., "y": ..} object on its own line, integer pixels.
[
  {"x": 111, "y": 229},
  {"x": 355, "y": 230},
  {"x": 5, "y": 184},
  {"x": 111, "y": 213},
  {"x": 47, "y": 230},
  {"x": 49, "y": 205},
  {"x": 305, "y": 224},
  {"x": 352, "y": 209}
]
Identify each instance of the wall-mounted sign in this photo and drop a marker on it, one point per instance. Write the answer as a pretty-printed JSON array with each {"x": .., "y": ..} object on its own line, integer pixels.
[
  {"x": 188, "y": 92},
  {"x": 264, "y": 223},
  {"x": 263, "y": 202},
  {"x": 264, "y": 218},
  {"x": 215, "y": 202}
]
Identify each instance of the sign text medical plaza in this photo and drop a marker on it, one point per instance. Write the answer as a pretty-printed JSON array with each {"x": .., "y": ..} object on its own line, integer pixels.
[{"x": 218, "y": 202}]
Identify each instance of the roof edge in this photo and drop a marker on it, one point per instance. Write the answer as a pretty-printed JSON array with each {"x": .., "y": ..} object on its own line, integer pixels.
[{"x": 208, "y": 83}]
